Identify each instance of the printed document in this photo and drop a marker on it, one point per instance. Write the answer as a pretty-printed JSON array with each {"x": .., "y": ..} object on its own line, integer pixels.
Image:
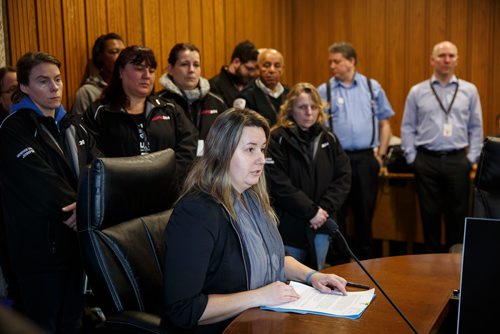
[{"x": 334, "y": 305}]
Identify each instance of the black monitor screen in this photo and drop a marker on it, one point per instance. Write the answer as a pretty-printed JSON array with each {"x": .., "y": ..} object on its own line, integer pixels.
[{"x": 479, "y": 304}]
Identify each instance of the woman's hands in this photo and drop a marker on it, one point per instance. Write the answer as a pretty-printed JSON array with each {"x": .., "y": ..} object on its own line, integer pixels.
[
  {"x": 326, "y": 283},
  {"x": 224, "y": 306},
  {"x": 71, "y": 221},
  {"x": 277, "y": 293},
  {"x": 319, "y": 219}
]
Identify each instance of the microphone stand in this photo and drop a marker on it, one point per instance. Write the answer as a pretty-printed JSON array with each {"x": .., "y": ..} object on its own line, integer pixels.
[{"x": 335, "y": 229}]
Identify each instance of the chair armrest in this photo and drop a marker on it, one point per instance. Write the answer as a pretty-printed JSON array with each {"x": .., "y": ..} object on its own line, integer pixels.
[{"x": 133, "y": 322}]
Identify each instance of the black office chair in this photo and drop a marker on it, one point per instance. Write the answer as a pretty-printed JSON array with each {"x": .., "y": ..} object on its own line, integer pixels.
[
  {"x": 487, "y": 181},
  {"x": 123, "y": 208}
]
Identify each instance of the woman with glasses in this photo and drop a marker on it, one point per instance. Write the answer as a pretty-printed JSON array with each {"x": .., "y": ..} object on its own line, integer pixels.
[{"x": 130, "y": 120}]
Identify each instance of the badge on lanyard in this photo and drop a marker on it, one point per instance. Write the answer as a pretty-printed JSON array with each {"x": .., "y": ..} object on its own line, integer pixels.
[
  {"x": 447, "y": 129},
  {"x": 340, "y": 100}
]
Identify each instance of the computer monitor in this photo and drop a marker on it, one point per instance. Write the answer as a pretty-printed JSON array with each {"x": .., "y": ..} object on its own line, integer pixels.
[{"x": 479, "y": 300}]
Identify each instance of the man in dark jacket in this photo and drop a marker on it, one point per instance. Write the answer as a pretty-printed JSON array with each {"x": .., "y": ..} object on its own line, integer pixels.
[
  {"x": 240, "y": 72},
  {"x": 266, "y": 94}
]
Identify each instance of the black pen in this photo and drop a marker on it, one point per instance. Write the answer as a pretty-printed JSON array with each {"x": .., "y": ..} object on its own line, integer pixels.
[{"x": 357, "y": 285}]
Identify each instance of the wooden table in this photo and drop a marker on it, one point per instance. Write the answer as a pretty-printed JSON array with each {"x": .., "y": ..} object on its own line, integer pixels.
[{"x": 420, "y": 285}]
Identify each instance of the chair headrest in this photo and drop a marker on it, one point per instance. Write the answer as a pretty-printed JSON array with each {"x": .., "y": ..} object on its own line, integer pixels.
[
  {"x": 115, "y": 190},
  {"x": 488, "y": 171}
]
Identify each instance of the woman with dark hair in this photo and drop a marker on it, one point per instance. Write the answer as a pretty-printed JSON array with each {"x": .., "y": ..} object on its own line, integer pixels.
[
  {"x": 104, "y": 54},
  {"x": 130, "y": 120},
  {"x": 42, "y": 149},
  {"x": 223, "y": 251},
  {"x": 310, "y": 176},
  {"x": 183, "y": 84},
  {"x": 8, "y": 85}
]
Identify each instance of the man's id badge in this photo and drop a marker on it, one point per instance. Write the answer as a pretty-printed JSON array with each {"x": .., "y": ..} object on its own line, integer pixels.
[{"x": 447, "y": 130}]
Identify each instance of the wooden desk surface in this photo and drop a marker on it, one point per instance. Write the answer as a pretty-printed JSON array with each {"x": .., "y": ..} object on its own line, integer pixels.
[{"x": 420, "y": 285}]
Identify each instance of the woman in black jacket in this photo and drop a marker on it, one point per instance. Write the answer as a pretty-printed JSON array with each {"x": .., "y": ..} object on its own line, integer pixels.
[
  {"x": 129, "y": 120},
  {"x": 184, "y": 84},
  {"x": 309, "y": 175},
  {"x": 223, "y": 252},
  {"x": 42, "y": 149}
]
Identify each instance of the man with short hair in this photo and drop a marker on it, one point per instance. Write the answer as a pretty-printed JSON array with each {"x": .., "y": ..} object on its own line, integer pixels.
[
  {"x": 266, "y": 94},
  {"x": 442, "y": 135},
  {"x": 360, "y": 115},
  {"x": 240, "y": 72}
]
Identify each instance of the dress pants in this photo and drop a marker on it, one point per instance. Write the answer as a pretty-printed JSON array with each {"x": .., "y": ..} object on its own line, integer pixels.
[
  {"x": 53, "y": 300},
  {"x": 362, "y": 198},
  {"x": 442, "y": 183}
]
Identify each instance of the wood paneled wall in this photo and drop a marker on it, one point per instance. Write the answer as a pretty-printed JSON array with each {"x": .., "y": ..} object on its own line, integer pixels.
[
  {"x": 68, "y": 28},
  {"x": 393, "y": 38}
]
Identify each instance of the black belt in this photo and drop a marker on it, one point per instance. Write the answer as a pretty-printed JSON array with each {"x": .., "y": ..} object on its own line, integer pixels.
[
  {"x": 364, "y": 151},
  {"x": 440, "y": 153}
]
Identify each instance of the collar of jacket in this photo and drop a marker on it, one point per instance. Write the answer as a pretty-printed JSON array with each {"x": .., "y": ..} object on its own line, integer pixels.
[
  {"x": 305, "y": 136},
  {"x": 167, "y": 82},
  {"x": 27, "y": 103},
  {"x": 96, "y": 80},
  {"x": 152, "y": 102}
]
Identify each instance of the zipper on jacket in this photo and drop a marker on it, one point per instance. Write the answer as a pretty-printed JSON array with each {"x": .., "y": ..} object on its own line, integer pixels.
[{"x": 51, "y": 236}]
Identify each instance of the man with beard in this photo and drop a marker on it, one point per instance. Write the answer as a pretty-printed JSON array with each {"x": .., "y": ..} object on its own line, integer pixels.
[
  {"x": 266, "y": 94},
  {"x": 233, "y": 78}
]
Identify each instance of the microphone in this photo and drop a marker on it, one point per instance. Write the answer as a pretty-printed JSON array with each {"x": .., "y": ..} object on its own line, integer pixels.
[
  {"x": 333, "y": 228},
  {"x": 239, "y": 103}
]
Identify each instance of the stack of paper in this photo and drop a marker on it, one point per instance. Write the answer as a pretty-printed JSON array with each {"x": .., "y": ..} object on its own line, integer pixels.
[{"x": 333, "y": 305}]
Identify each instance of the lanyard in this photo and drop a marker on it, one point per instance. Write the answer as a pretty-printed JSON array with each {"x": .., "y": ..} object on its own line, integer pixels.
[{"x": 447, "y": 112}]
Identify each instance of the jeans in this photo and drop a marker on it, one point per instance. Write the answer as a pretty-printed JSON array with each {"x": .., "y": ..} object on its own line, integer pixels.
[{"x": 321, "y": 245}]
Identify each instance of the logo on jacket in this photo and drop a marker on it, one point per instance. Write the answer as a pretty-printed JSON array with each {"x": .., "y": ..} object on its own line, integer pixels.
[
  {"x": 81, "y": 142},
  {"x": 269, "y": 161},
  {"x": 209, "y": 111},
  {"x": 325, "y": 144},
  {"x": 25, "y": 152},
  {"x": 160, "y": 118}
]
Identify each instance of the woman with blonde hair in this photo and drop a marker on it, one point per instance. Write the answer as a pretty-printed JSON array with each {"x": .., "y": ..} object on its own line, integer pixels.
[
  {"x": 223, "y": 251},
  {"x": 309, "y": 175}
]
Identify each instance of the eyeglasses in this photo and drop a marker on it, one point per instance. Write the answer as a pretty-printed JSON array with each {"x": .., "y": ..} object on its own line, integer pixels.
[{"x": 11, "y": 90}]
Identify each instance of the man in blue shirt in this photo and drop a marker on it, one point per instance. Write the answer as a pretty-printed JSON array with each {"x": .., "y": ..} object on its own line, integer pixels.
[
  {"x": 360, "y": 114},
  {"x": 442, "y": 134}
]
